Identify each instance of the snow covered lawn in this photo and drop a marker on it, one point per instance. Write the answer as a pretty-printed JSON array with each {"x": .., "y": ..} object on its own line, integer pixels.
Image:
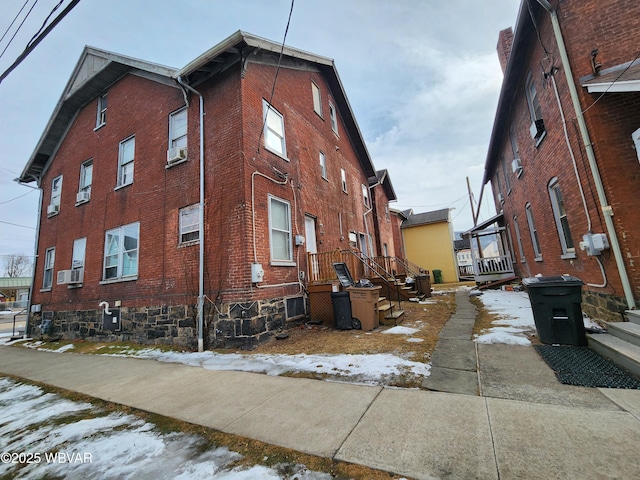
[{"x": 43, "y": 435}]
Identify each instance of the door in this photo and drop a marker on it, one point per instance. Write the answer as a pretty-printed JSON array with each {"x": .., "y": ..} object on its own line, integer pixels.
[{"x": 312, "y": 246}]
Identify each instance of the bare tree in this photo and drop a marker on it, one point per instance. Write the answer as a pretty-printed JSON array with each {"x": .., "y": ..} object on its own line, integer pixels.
[{"x": 17, "y": 265}]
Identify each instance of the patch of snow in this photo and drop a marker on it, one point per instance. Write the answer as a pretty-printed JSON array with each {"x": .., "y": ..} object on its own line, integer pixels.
[
  {"x": 415, "y": 340},
  {"x": 515, "y": 317},
  {"x": 109, "y": 446},
  {"x": 399, "y": 330}
]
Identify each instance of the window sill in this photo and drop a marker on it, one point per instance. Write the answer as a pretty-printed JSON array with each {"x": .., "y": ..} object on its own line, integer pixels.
[
  {"x": 540, "y": 138},
  {"x": 284, "y": 157},
  {"x": 98, "y": 127},
  {"x": 74, "y": 286},
  {"x": 173, "y": 164},
  {"x": 81, "y": 203},
  {"x": 122, "y": 186},
  {"x": 188, "y": 244},
  {"x": 538, "y": 259},
  {"x": 325, "y": 178},
  {"x": 119, "y": 280},
  {"x": 282, "y": 264},
  {"x": 45, "y": 290},
  {"x": 49, "y": 215},
  {"x": 568, "y": 256}
]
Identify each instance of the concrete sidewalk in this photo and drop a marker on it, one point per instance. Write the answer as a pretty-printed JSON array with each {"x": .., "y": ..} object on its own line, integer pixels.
[{"x": 526, "y": 425}]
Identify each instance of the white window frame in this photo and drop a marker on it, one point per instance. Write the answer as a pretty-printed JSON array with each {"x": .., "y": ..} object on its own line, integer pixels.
[
  {"x": 516, "y": 227},
  {"x": 49, "y": 264},
  {"x": 86, "y": 171},
  {"x": 635, "y": 136},
  {"x": 365, "y": 196},
  {"x": 562, "y": 221},
  {"x": 534, "y": 233},
  {"x": 535, "y": 112},
  {"x": 79, "y": 253},
  {"x": 56, "y": 190},
  {"x": 285, "y": 232},
  {"x": 505, "y": 172},
  {"x": 323, "y": 165},
  {"x": 125, "y": 163},
  {"x": 189, "y": 223},
  {"x": 274, "y": 134},
  {"x": 121, "y": 254},
  {"x": 178, "y": 134},
  {"x": 343, "y": 178},
  {"x": 101, "y": 111},
  {"x": 333, "y": 115},
  {"x": 317, "y": 98}
]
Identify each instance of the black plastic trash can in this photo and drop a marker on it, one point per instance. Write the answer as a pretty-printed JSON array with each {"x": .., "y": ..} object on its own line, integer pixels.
[
  {"x": 341, "y": 310},
  {"x": 557, "y": 312}
]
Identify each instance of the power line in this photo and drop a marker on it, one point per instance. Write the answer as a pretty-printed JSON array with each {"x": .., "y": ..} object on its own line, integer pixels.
[
  {"x": 19, "y": 27},
  {"x": 16, "y": 225},
  {"x": 13, "y": 21},
  {"x": 15, "y": 198},
  {"x": 33, "y": 43}
]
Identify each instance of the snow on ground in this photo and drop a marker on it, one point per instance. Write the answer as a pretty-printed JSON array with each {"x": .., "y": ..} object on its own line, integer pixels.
[
  {"x": 375, "y": 369},
  {"x": 515, "y": 317},
  {"x": 42, "y": 430}
]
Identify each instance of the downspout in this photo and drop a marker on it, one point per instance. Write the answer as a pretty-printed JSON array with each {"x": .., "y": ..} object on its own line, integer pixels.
[
  {"x": 200, "y": 220},
  {"x": 364, "y": 216},
  {"x": 35, "y": 252},
  {"x": 595, "y": 173}
]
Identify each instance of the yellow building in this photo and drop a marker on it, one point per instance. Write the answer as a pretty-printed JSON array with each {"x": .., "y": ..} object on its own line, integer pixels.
[{"x": 428, "y": 242}]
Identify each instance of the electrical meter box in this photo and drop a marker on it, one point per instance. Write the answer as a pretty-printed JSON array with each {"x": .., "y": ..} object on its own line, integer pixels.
[
  {"x": 594, "y": 243},
  {"x": 257, "y": 273}
]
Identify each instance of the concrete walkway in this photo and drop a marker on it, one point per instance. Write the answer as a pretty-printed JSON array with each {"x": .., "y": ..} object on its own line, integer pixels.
[{"x": 525, "y": 424}]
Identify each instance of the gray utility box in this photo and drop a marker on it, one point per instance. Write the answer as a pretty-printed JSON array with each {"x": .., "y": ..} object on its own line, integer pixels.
[{"x": 557, "y": 312}]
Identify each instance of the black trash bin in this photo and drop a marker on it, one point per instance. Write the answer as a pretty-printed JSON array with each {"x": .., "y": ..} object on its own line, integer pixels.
[
  {"x": 557, "y": 313},
  {"x": 341, "y": 310}
]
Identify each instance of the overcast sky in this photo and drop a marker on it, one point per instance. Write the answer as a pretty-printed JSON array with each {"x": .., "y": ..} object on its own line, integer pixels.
[{"x": 422, "y": 77}]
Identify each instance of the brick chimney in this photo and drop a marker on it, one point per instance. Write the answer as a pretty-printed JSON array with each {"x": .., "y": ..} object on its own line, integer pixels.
[{"x": 505, "y": 40}]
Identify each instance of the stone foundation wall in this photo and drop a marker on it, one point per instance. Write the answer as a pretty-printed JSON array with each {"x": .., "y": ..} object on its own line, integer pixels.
[
  {"x": 605, "y": 307},
  {"x": 235, "y": 325}
]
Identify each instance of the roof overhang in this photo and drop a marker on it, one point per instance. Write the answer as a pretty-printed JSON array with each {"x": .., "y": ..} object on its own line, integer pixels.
[
  {"x": 622, "y": 78},
  {"x": 499, "y": 218},
  {"x": 95, "y": 71}
]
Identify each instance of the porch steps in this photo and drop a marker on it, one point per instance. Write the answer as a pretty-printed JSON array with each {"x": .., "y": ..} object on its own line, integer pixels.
[
  {"x": 386, "y": 313},
  {"x": 393, "y": 318},
  {"x": 621, "y": 344}
]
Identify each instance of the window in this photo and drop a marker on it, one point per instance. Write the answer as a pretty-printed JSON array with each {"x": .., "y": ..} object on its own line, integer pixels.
[
  {"x": 562, "y": 223},
  {"x": 365, "y": 195},
  {"x": 101, "y": 116},
  {"x": 323, "y": 165},
  {"x": 334, "y": 118},
  {"x": 86, "y": 176},
  {"x": 274, "y": 131},
  {"x": 505, "y": 172},
  {"x": 519, "y": 239},
  {"x": 317, "y": 100},
  {"x": 79, "y": 249},
  {"x": 636, "y": 141},
  {"x": 534, "y": 233},
  {"x": 386, "y": 213},
  {"x": 280, "y": 231},
  {"x": 537, "y": 125},
  {"x": 121, "y": 252},
  {"x": 516, "y": 164},
  {"x": 56, "y": 193},
  {"x": 343, "y": 177},
  {"x": 49, "y": 260},
  {"x": 125, "y": 161},
  {"x": 190, "y": 224},
  {"x": 178, "y": 129}
]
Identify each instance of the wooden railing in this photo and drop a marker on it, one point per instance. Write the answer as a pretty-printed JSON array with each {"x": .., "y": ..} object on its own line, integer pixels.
[{"x": 493, "y": 265}]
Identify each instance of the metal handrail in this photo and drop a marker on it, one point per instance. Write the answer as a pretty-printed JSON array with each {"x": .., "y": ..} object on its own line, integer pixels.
[{"x": 21, "y": 312}]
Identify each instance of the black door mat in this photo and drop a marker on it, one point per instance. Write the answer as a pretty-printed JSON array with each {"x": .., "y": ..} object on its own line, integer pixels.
[{"x": 583, "y": 367}]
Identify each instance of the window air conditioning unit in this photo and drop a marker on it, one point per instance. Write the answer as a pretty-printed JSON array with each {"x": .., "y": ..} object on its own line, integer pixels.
[
  {"x": 500, "y": 198},
  {"x": 83, "y": 196},
  {"x": 176, "y": 154},
  {"x": 53, "y": 209},
  {"x": 70, "y": 276},
  {"x": 516, "y": 166},
  {"x": 537, "y": 129}
]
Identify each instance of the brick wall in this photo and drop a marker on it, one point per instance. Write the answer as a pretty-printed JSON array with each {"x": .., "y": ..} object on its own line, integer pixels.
[{"x": 614, "y": 28}]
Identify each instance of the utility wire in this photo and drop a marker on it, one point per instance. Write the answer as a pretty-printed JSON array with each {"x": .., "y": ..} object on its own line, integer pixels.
[
  {"x": 13, "y": 21},
  {"x": 16, "y": 225},
  {"x": 45, "y": 21},
  {"x": 19, "y": 27},
  {"x": 273, "y": 87},
  {"x": 33, "y": 43},
  {"x": 15, "y": 198}
]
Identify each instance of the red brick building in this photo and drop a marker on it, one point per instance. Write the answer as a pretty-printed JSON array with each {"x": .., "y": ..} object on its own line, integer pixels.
[
  {"x": 564, "y": 154},
  {"x": 285, "y": 171}
]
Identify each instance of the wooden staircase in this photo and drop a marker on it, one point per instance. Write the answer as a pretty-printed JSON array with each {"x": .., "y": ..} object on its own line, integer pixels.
[
  {"x": 621, "y": 343},
  {"x": 388, "y": 313}
]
